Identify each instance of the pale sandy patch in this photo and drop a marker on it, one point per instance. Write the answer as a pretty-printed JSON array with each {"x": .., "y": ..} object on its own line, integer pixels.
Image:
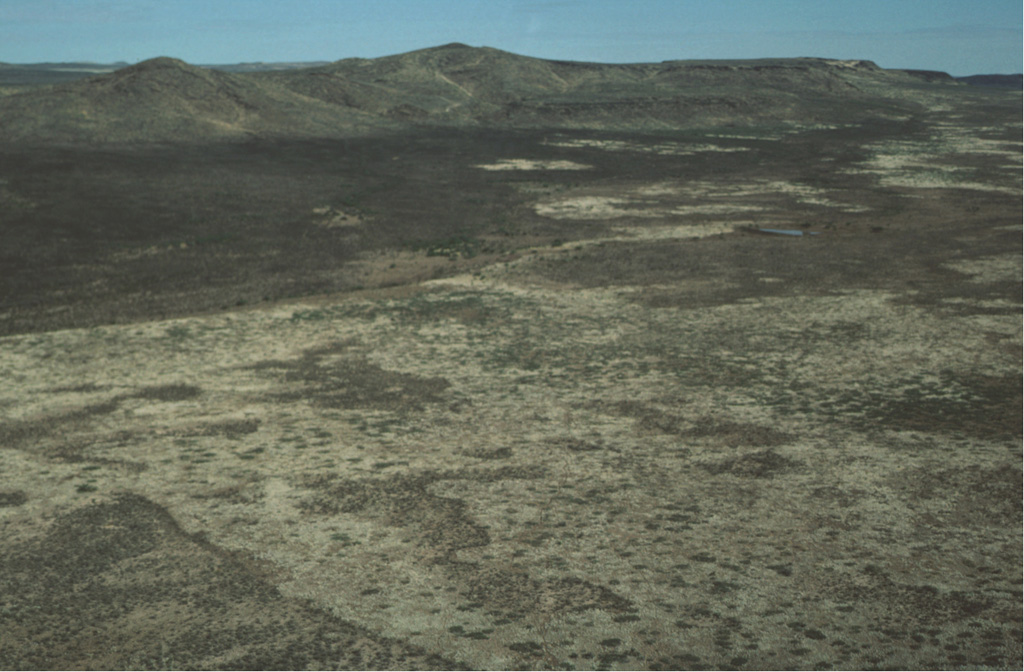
[
  {"x": 655, "y": 200},
  {"x": 529, "y": 164},
  {"x": 601, "y": 208},
  {"x": 810, "y": 195},
  {"x": 988, "y": 304},
  {"x": 990, "y": 269},
  {"x": 332, "y": 218},
  {"x": 759, "y": 188},
  {"x": 663, "y": 148},
  {"x": 702, "y": 230},
  {"x": 717, "y": 148},
  {"x": 592, "y": 207},
  {"x": 933, "y": 164},
  {"x": 715, "y": 209},
  {"x": 937, "y": 179},
  {"x": 845, "y": 63},
  {"x": 660, "y": 189}
]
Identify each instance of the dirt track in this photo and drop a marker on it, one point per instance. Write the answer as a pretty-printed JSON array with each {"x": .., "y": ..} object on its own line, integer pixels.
[{"x": 681, "y": 443}]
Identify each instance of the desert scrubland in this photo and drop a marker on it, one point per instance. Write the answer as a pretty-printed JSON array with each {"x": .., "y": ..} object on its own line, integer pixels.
[{"x": 692, "y": 368}]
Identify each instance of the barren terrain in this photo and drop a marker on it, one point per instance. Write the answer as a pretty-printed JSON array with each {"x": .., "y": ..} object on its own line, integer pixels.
[{"x": 518, "y": 399}]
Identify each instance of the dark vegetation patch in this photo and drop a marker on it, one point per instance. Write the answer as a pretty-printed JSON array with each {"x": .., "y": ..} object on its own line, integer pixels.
[
  {"x": 405, "y": 501},
  {"x": 500, "y": 453},
  {"x": 443, "y": 524},
  {"x": 647, "y": 416},
  {"x": 85, "y": 453},
  {"x": 736, "y": 434},
  {"x": 948, "y": 403},
  {"x": 13, "y": 497},
  {"x": 985, "y": 406},
  {"x": 916, "y": 616},
  {"x": 173, "y": 392},
  {"x": 580, "y": 446},
  {"x": 227, "y": 428},
  {"x": 336, "y": 377},
  {"x": 21, "y": 433},
  {"x": 650, "y": 417},
  {"x": 529, "y": 647},
  {"x": 81, "y": 388},
  {"x": 761, "y": 464},
  {"x": 510, "y": 592},
  {"x": 977, "y": 496},
  {"x": 836, "y": 496},
  {"x": 123, "y": 572},
  {"x": 126, "y": 233}
]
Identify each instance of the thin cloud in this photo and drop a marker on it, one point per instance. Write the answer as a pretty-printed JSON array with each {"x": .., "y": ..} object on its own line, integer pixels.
[{"x": 90, "y": 12}]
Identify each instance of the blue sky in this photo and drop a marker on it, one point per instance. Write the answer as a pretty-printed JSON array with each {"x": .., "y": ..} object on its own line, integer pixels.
[{"x": 958, "y": 36}]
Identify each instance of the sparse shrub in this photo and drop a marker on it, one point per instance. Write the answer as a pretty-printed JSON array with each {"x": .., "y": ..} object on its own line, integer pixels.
[{"x": 455, "y": 247}]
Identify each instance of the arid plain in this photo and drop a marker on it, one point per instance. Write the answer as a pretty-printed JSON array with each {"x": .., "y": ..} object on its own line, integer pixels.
[{"x": 538, "y": 396}]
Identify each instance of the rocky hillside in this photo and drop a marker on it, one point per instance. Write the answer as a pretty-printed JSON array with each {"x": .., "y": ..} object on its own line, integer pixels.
[
  {"x": 457, "y": 83},
  {"x": 166, "y": 99}
]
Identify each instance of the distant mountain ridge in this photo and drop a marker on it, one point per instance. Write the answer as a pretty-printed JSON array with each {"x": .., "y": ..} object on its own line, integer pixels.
[
  {"x": 165, "y": 99},
  {"x": 1003, "y": 81},
  {"x": 42, "y": 74}
]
